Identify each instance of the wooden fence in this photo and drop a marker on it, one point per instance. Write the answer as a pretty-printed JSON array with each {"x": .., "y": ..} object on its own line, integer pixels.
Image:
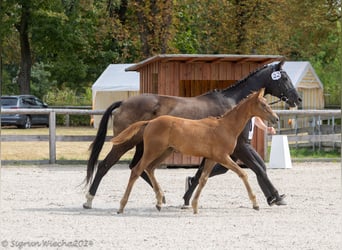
[
  {"x": 52, "y": 138},
  {"x": 310, "y": 128},
  {"x": 297, "y": 135}
]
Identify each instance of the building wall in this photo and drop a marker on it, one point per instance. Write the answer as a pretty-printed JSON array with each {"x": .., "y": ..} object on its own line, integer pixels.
[
  {"x": 176, "y": 78},
  {"x": 167, "y": 75}
]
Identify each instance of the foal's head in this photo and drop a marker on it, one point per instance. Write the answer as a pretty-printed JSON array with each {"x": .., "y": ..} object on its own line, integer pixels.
[{"x": 259, "y": 107}]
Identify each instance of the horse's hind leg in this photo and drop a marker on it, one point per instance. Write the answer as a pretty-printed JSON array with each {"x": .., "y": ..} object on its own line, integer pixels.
[{"x": 112, "y": 157}]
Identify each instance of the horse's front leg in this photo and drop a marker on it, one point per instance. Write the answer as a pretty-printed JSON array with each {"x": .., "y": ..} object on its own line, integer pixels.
[
  {"x": 229, "y": 163},
  {"x": 208, "y": 166}
]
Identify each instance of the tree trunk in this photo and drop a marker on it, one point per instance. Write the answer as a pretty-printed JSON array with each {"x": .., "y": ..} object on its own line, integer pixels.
[
  {"x": 155, "y": 19},
  {"x": 25, "y": 50}
]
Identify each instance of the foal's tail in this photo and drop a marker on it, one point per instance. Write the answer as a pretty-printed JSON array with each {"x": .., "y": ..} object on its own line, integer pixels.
[
  {"x": 127, "y": 134},
  {"x": 99, "y": 140}
]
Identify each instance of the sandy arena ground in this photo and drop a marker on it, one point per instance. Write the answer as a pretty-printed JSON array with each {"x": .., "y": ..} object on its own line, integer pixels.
[{"x": 41, "y": 208}]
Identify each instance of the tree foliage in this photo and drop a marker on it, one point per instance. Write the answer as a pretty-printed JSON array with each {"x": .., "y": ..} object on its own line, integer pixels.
[{"x": 68, "y": 43}]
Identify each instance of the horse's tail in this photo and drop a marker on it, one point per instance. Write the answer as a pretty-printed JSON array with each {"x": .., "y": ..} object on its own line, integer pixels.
[
  {"x": 100, "y": 138},
  {"x": 127, "y": 134}
]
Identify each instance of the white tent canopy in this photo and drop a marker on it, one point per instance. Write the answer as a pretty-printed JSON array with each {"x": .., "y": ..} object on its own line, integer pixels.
[
  {"x": 114, "y": 84},
  {"x": 115, "y": 78}
]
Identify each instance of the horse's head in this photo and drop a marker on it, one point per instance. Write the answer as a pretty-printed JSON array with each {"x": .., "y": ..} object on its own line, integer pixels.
[
  {"x": 261, "y": 108},
  {"x": 279, "y": 84}
]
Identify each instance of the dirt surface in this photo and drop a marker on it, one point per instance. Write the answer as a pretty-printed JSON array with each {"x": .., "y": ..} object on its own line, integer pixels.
[{"x": 41, "y": 208}]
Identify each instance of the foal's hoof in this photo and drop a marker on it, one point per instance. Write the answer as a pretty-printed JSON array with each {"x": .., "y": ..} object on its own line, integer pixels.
[
  {"x": 256, "y": 207},
  {"x": 158, "y": 207},
  {"x": 86, "y": 206}
]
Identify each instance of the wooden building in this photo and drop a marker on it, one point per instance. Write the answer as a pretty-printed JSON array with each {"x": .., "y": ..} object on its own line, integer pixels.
[{"x": 191, "y": 75}]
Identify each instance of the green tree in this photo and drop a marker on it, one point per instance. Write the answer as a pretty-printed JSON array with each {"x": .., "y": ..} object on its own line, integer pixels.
[{"x": 67, "y": 44}]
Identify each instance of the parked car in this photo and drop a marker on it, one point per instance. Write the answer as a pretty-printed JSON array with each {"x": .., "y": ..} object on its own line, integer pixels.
[{"x": 23, "y": 120}]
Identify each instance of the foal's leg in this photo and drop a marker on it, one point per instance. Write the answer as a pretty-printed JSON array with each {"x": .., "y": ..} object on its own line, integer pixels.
[
  {"x": 156, "y": 187},
  {"x": 149, "y": 159},
  {"x": 217, "y": 170},
  {"x": 229, "y": 163},
  {"x": 208, "y": 166},
  {"x": 139, "y": 150},
  {"x": 135, "y": 173},
  {"x": 252, "y": 159}
]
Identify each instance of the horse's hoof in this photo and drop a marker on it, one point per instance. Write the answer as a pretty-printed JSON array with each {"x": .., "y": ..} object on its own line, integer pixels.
[
  {"x": 86, "y": 206},
  {"x": 164, "y": 200},
  {"x": 158, "y": 207},
  {"x": 185, "y": 206},
  {"x": 119, "y": 212},
  {"x": 256, "y": 207}
]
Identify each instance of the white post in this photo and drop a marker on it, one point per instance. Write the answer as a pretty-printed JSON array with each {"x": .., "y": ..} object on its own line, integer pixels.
[
  {"x": 52, "y": 137},
  {"x": 280, "y": 152}
]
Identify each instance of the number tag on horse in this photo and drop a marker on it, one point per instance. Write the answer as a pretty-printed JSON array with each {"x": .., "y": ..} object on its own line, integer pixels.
[{"x": 276, "y": 75}]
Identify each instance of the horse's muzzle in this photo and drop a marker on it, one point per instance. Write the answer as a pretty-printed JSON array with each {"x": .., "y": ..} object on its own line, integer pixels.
[{"x": 274, "y": 120}]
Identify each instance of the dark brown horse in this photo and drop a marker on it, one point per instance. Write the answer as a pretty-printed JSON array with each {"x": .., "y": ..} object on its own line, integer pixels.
[
  {"x": 211, "y": 138},
  {"x": 214, "y": 103}
]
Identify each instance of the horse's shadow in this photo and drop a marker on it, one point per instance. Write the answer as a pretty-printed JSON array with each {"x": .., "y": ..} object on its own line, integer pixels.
[
  {"x": 167, "y": 211},
  {"x": 64, "y": 210}
]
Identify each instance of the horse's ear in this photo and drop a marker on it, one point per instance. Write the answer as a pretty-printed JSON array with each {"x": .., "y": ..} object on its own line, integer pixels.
[
  {"x": 280, "y": 65},
  {"x": 261, "y": 93}
]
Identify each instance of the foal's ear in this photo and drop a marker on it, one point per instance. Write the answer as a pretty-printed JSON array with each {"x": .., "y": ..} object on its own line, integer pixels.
[{"x": 261, "y": 93}]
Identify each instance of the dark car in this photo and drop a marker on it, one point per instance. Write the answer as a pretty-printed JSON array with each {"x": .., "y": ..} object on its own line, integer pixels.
[{"x": 23, "y": 120}]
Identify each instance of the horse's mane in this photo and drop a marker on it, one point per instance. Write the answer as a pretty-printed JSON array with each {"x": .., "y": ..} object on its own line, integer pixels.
[
  {"x": 244, "y": 80},
  {"x": 232, "y": 109},
  {"x": 238, "y": 83}
]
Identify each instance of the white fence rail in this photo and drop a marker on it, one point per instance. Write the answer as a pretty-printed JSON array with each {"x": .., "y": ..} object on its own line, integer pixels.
[
  {"x": 315, "y": 128},
  {"x": 52, "y": 138}
]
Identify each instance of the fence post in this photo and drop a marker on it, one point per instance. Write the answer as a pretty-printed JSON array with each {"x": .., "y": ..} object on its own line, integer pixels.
[
  {"x": 333, "y": 129},
  {"x": 313, "y": 132},
  {"x": 319, "y": 132},
  {"x": 52, "y": 137}
]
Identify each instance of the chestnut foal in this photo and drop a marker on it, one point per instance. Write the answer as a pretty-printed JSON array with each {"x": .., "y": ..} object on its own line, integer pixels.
[{"x": 211, "y": 138}]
